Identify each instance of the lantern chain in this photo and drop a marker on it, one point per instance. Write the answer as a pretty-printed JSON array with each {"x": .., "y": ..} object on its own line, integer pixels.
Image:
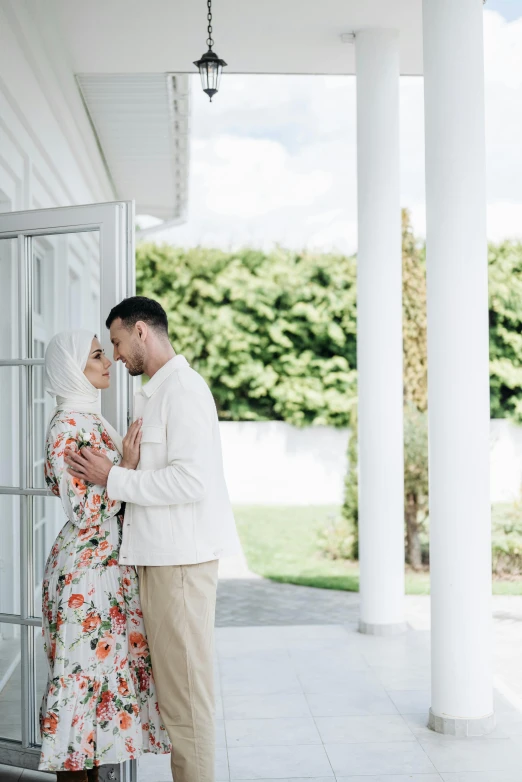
[{"x": 210, "y": 41}]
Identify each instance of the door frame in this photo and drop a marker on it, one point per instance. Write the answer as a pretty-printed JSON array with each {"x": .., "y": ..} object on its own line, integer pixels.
[{"x": 114, "y": 222}]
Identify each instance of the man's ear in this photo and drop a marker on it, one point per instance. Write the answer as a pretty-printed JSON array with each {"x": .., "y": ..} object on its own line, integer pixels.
[{"x": 142, "y": 329}]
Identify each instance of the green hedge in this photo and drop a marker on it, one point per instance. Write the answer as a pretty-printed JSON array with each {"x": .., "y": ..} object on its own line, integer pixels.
[{"x": 274, "y": 333}]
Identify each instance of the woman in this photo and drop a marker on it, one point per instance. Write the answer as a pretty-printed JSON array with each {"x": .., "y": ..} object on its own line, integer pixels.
[{"x": 100, "y": 704}]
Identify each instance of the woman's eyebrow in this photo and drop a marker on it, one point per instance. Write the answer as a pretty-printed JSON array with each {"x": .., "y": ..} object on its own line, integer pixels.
[{"x": 98, "y": 350}]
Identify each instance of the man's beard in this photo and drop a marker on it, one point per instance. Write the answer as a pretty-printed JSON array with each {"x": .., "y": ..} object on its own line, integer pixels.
[{"x": 135, "y": 362}]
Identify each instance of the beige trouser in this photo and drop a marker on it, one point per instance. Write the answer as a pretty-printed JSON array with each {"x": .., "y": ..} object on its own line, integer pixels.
[{"x": 179, "y": 605}]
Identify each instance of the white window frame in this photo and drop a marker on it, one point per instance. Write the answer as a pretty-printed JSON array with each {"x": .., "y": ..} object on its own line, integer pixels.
[{"x": 114, "y": 223}]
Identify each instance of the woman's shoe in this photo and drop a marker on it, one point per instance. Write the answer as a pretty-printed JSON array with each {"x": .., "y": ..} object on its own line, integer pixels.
[{"x": 72, "y": 776}]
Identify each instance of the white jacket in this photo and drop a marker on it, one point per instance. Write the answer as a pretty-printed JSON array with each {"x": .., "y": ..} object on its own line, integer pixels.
[{"x": 178, "y": 510}]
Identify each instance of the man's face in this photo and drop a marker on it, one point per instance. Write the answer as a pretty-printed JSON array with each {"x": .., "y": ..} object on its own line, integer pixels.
[{"x": 128, "y": 346}]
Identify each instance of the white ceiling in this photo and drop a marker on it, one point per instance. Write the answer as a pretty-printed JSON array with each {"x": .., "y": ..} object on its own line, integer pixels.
[
  {"x": 253, "y": 36},
  {"x": 142, "y": 125}
]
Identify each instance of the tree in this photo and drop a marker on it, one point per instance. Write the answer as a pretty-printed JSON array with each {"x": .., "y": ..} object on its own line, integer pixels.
[
  {"x": 505, "y": 330},
  {"x": 272, "y": 333},
  {"x": 414, "y": 331},
  {"x": 350, "y": 509},
  {"x": 415, "y": 480},
  {"x": 415, "y": 352}
]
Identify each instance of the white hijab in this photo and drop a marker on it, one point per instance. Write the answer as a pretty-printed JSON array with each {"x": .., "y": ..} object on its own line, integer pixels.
[{"x": 65, "y": 360}]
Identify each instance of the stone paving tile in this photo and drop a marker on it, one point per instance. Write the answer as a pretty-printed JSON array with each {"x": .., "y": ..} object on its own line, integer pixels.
[
  {"x": 244, "y": 602},
  {"x": 278, "y": 762},
  {"x": 10, "y": 774},
  {"x": 244, "y": 707},
  {"x": 393, "y": 778},
  {"x": 358, "y": 701},
  {"x": 344, "y": 730},
  {"x": 397, "y": 757},
  {"x": 473, "y": 754},
  {"x": 483, "y": 776},
  {"x": 411, "y": 701}
]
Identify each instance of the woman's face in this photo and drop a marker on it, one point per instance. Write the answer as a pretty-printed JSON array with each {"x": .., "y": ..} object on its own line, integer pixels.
[{"x": 97, "y": 366}]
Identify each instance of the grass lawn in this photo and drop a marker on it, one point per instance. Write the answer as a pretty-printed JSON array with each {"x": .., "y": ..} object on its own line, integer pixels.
[{"x": 280, "y": 543}]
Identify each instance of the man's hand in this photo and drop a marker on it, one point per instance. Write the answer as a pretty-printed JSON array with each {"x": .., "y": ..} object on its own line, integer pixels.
[{"x": 89, "y": 465}]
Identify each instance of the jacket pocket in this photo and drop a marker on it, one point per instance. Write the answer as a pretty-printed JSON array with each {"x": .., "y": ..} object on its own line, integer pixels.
[{"x": 153, "y": 434}]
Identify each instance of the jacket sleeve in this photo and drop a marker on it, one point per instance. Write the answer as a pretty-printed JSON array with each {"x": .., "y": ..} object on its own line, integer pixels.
[
  {"x": 85, "y": 504},
  {"x": 190, "y": 428}
]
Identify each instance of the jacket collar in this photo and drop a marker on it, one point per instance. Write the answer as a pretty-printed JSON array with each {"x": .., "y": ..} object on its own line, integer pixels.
[{"x": 178, "y": 362}]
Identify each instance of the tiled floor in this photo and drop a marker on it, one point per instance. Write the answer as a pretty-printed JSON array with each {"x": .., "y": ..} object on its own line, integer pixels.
[
  {"x": 325, "y": 702},
  {"x": 300, "y": 698},
  {"x": 11, "y": 774}
]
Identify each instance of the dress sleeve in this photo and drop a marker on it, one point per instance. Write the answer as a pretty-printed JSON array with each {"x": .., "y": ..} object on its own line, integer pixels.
[{"x": 85, "y": 504}]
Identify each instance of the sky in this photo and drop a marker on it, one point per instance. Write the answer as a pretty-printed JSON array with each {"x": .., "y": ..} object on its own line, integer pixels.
[{"x": 273, "y": 158}]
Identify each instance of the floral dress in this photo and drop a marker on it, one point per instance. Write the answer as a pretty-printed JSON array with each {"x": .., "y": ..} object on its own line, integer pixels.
[{"x": 100, "y": 704}]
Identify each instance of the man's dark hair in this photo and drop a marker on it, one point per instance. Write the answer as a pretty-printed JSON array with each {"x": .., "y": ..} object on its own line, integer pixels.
[{"x": 137, "y": 308}]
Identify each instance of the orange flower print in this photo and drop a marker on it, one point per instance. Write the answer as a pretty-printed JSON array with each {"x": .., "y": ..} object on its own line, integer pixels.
[
  {"x": 123, "y": 688},
  {"x": 50, "y": 723},
  {"x": 82, "y": 686},
  {"x": 129, "y": 746},
  {"x": 87, "y": 745},
  {"x": 138, "y": 645},
  {"x": 74, "y": 762},
  {"x": 106, "y": 708},
  {"x": 78, "y": 485},
  {"x": 68, "y": 578},
  {"x": 107, "y": 441},
  {"x": 104, "y": 548},
  {"x": 124, "y": 720},
  {"x": 76, "y": 601},
  {"x": 87, "y": 534},
  {"x": 105, "y": 646},
  {"x": 85, "y": 557},
  {"x": 70, "y": 421},
  {"x": 91, "y": 622}
]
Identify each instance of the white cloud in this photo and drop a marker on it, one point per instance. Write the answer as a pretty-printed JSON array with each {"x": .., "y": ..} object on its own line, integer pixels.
[{"x": 273, "y": 158}]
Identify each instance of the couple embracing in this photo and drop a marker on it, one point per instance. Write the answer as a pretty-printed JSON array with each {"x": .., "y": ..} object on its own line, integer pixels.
[{"x": 129, "y": 589}]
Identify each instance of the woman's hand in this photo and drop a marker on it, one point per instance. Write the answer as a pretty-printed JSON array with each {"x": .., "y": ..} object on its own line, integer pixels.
[{"x": 131, "y": 446}]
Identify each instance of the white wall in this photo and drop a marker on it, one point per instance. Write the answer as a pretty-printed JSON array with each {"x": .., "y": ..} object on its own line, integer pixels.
[
  {"x": 506, "y": 460},
  {"x": 48, "y": 158},
  {"x": 276, "y": 464},
  {"x": 273, "y": 463}
]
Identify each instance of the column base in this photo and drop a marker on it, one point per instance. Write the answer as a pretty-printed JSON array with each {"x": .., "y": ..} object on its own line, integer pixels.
[
  {"x": 368, "y": 628},
  {"x": 461, "y": 728}
]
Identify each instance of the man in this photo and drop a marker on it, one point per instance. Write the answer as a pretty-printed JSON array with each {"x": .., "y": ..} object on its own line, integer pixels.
[{"x": 178, "y": 522}]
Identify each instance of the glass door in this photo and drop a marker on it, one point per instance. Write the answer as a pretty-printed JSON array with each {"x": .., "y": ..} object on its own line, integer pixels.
[{"x": 59, "y": 268}]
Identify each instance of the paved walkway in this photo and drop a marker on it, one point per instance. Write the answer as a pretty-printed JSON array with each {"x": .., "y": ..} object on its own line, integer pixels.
[{"x": 301, "y": 695}]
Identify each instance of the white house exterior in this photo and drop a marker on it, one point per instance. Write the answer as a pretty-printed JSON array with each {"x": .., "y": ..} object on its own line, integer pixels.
[{"x": 90, "y": 112}]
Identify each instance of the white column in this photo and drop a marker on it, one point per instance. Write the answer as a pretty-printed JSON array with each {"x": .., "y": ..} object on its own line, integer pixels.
[
  {"x": 458, "y": 373},
  {"x": 379, "y": 334}
]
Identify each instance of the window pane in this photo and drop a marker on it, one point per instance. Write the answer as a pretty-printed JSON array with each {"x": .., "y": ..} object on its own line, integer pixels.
[
  {"x": 42, "y": 672},
  {"x": 10, "y": 683},
  {"x": 10, "y": 389},
  {"x": 9, "y": 554},
  {"x": 43, "y": 405},
  {"x": 37, "y": 284},
  {"x": 9, "y": 299},
  {"x": 48, "y": 519}
]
